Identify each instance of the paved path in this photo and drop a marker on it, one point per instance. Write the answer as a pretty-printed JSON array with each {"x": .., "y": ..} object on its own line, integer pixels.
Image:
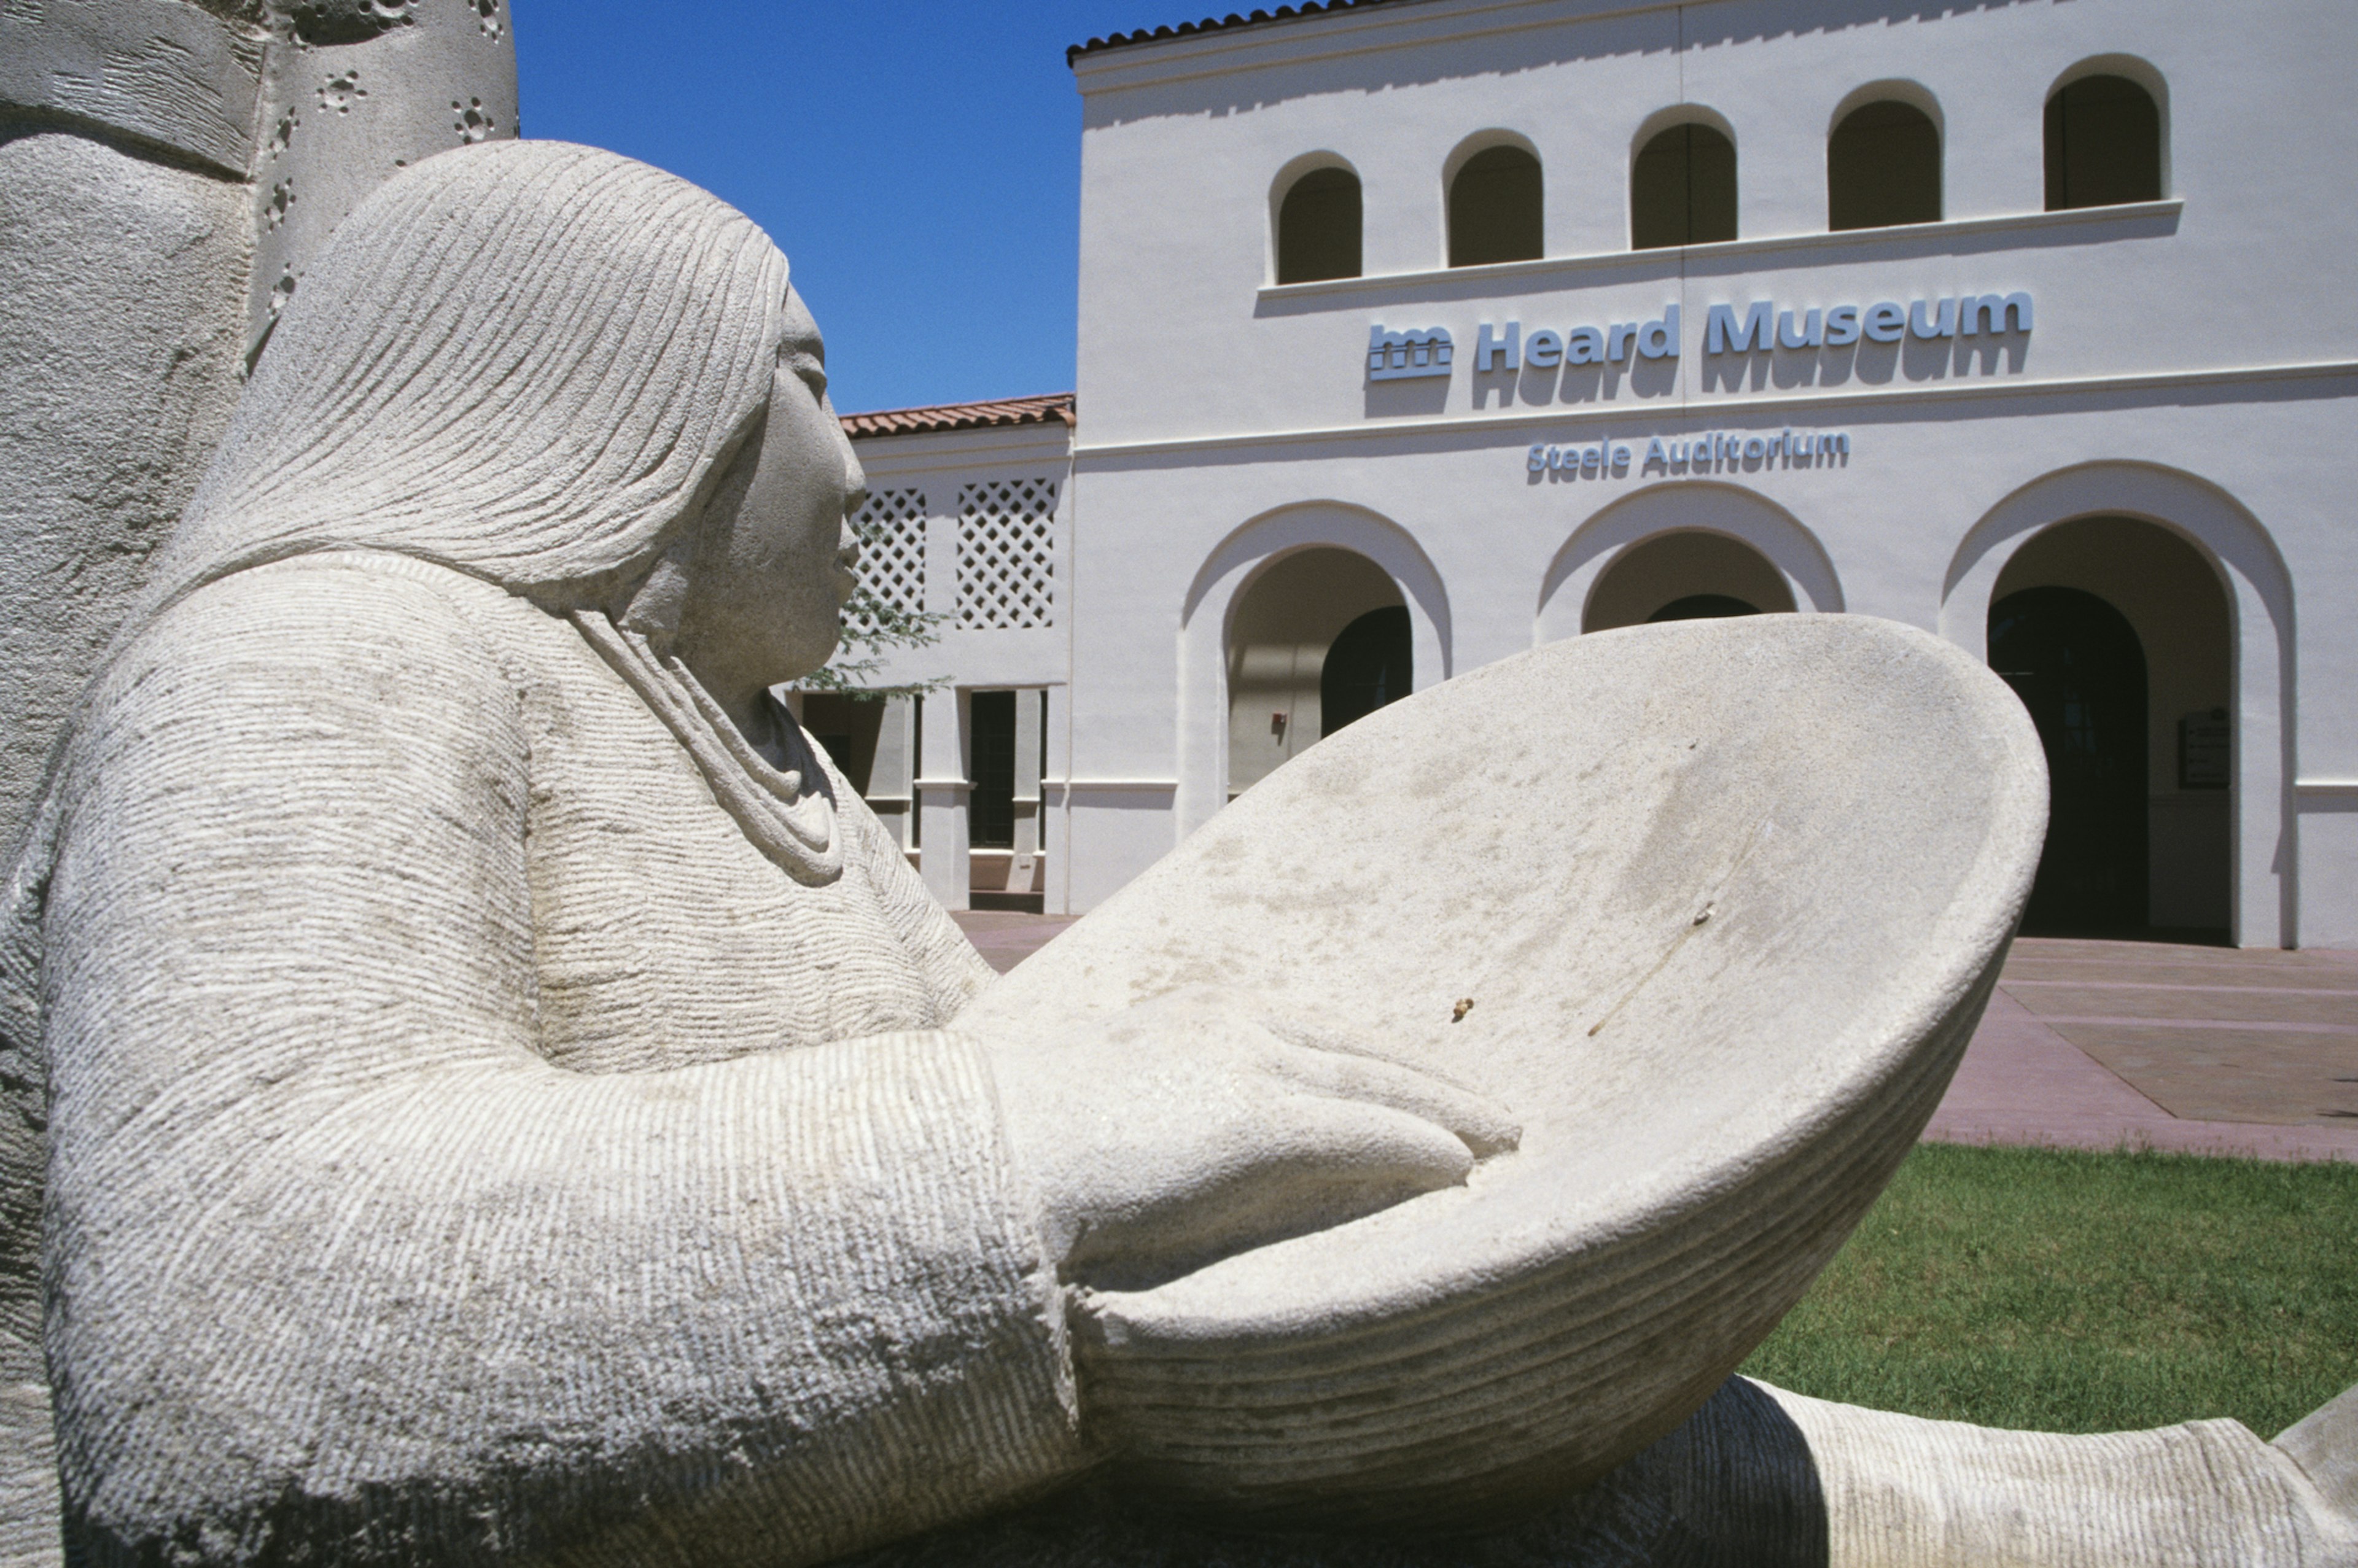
[
  {"x": 2109, "y": 1045},
  {"x": 2209, "y": 1050}
]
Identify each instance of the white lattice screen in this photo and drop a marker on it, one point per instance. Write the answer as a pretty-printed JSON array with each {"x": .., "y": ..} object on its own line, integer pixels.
[
  {"x": 1007, "y": 554},
  {"x": 892, "y": 529}
]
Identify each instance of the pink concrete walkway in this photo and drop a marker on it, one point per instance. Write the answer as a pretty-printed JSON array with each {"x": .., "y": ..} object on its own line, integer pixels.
[
  {"x": 2108, "y": 1045},
  {"x": 2141, "y": 1044}
]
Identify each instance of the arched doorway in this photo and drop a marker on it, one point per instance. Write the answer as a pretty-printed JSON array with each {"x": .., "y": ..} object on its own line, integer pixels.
[
  {"x": 1319, "y": 626},
  {"x": 2116, "y": 633},
  {"x": 1687, "y": 574},
  {"x": 2080, "y": 669}
]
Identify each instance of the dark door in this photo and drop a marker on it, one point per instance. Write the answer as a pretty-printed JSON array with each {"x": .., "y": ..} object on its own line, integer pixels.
[
  {"x": 2078, "y": 667},
  {"x": 1366, "y": 667},
  {"x": 991, "y": 804}
]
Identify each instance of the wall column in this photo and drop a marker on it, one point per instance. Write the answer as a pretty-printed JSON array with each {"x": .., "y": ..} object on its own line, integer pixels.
[
  {"x": 1023, "y": 869},
  {"x": 942, "y": 798},
  {"x": 892, "y": 778}
]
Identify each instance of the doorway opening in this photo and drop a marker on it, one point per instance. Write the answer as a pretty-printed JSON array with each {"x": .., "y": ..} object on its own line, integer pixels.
[
  {"x": 1320, "y": 639},
  {"x": 2115, "y": 632},
  {"x": 1007, "y": 751}
]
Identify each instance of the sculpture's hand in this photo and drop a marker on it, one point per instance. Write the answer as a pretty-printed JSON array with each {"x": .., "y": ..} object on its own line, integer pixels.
[{"x": 1185, "y": 1129}]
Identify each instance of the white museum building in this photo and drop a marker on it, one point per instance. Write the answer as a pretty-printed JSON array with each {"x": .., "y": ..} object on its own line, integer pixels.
[{"x": 1415, "y": 333}]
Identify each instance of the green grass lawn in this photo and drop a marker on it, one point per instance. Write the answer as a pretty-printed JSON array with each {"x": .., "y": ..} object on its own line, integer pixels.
[{"x": 2086, "y": 1292}]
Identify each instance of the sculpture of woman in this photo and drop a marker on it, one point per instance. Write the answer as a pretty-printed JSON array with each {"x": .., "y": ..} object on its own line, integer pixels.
[
  {"x": 498, "y": 1095},
  {"x": 480, "y": 1087}
]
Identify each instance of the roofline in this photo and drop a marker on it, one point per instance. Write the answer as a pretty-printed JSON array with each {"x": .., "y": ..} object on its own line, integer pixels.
[
  {"x": 1214, "y": 25},
  {"x": 1055, "y": 407}
]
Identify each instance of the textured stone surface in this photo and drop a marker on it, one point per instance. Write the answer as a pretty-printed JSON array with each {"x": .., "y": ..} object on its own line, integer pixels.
[
  {"x": 120, "y": 329},
  {"x": 128, "y": 132},
  {"x": 1763, "y": 1479},
  {"x": 165, "y": 77},
  {"x": 130, "y": 239},
  {"x": 1724, "y": 921},
  {"x": 2325, "y": 1445},
  {"x": 351, "y": 91}
]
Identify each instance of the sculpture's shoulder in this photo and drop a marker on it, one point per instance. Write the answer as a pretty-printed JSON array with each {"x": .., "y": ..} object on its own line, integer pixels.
[
  {"x": 316, "y": 620},
  {"x": 334, "y": 649}
]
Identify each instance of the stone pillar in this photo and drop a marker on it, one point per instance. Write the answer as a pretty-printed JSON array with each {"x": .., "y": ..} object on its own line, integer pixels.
[
  {"x": 351, "y": 92},
  {"x": 167, "y": 170}
]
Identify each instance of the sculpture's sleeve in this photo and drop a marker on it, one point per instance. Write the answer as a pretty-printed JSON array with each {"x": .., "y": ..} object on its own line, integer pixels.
[
  {"x": 954, "y": 972},
  {"x": 340, "y": 1270}
]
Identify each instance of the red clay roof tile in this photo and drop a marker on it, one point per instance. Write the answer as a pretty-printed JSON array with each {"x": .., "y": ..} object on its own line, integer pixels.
[
  {"x": 1055, "y": 405},
  {"x": 1213, "y": 25}
]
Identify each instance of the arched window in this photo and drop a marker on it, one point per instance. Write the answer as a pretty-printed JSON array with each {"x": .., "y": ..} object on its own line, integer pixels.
[
  {"x": 1682, "y": 189},
  {"x": 1494, "y": 209},
  {"x": 2103, "y": 144},
  {"x": 1318, "y": 227},
  {"x": 1883, "y": 166}
]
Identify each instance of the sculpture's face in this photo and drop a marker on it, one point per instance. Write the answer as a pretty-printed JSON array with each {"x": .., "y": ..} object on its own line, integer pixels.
[{"x": 772, "y": 572}]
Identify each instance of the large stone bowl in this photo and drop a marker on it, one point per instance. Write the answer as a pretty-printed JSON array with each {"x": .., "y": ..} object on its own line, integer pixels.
[{"x": 1727, "y": 899}]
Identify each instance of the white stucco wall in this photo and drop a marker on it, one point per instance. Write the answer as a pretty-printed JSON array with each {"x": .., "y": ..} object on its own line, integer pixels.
[
  {"x": 2192, "y": 360},
  {"x": 943, "y": 467}
]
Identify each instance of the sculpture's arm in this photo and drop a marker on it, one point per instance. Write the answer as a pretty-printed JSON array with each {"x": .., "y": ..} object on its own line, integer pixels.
[{"x": 338, "y": 1267}]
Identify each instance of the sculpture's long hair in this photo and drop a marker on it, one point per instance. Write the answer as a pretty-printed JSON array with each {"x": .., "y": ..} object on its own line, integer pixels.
[
  {"x": 527, "y": 361},
  {"x": 524, "y": 360}
]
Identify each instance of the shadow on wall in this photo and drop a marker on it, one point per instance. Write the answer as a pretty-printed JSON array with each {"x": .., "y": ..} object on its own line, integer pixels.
[
  {"x": 1285, "y": 623},
  {"x": 1598, "y": 383},
  {"x": 1871, "y": 363},
  {"x": 1668, "y": 572}
]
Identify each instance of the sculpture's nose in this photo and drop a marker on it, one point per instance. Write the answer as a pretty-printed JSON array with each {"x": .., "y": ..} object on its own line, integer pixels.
[{"x": 855, "y": 478}]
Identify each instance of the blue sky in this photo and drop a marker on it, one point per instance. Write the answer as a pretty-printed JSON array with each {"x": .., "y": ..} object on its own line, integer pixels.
[{"x": 919, "y": 162}]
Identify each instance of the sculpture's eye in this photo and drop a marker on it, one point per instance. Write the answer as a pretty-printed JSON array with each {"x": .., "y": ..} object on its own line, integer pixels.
[{"x": 813, "y": 373}]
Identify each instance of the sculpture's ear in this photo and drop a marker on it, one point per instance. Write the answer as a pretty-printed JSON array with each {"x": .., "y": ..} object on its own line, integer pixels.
[
  {"x": 654, "y": 605},
  {"x": 653, "y": 609}
]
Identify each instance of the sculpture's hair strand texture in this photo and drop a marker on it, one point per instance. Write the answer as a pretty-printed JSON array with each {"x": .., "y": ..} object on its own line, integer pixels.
[{"x": 567, "y": 290}]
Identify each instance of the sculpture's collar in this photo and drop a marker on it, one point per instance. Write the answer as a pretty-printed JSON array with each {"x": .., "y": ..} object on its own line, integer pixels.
[{"x": 790, "y": 813}]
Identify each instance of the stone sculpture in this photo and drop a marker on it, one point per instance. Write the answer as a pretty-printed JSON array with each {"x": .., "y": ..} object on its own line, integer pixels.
[
  {"x": 493, "y": 1093},
  {"x": 167, "y": 170}
]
